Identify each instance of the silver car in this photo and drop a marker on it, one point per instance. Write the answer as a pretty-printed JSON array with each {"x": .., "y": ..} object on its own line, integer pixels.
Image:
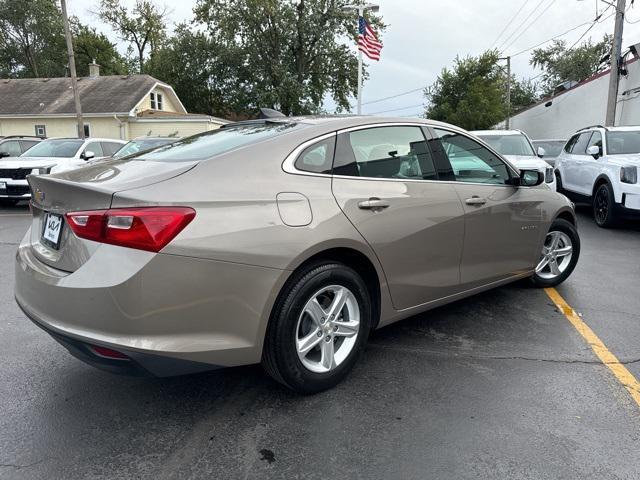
[{"x": 280, "y": 241}]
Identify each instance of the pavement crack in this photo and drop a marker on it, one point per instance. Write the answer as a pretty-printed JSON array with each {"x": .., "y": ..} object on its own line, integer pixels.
[
  {"x": 11, "y": 244},
  {"x": 18, "y": 467},
  {"x": 500, "y": 357}
]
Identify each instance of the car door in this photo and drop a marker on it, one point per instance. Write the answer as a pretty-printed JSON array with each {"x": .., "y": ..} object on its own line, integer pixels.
[
  {"x": 590, "y": 165},
  {"x": 502, "y": 222},
  {"x": 386, "y": 183},
  {"x": 572, "y": 173}
]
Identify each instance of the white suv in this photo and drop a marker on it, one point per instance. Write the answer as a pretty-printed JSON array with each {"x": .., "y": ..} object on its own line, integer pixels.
[
  {"x": 49, "y": 156},
  {"x": 516, "y": 146},
  {"x": 600, "y": 165}
]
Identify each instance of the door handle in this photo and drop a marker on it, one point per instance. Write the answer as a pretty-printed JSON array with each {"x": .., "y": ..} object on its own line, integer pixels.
[
  {"x": 475, "y": 200},
  {"x": 373, "y": 203}
]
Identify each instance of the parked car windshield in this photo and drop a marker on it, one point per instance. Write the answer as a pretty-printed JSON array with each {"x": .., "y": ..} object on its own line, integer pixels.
[
  {"x": 621, "y": 143},
  {"x": 552, "y": 148},
  {"x": 509, "y": 144},
  {"x": 135, "y": 146},
  {"x": 209, "y": 144},
  {"x": 59, "y": 148}
]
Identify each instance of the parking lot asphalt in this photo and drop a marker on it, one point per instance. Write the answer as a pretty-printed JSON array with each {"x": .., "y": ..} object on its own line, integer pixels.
[{"x": 499, "y": 385}]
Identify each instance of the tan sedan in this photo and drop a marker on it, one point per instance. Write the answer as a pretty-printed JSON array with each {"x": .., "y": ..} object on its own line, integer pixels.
[{"x": 282, "y": 241}]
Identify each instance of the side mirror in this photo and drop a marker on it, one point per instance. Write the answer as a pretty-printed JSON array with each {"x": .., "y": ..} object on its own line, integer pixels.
[
  {"x": 541, "y": 152},
  {"x": 88, "y": 155},
  {"x": 527, "y": 178},
  {"x": 4, "y": 154},
  {"x": 594, "y": 151}
]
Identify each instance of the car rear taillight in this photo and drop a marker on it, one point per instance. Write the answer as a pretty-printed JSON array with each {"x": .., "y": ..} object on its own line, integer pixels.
[
  {"x": 144, "y": 228},
  {"x": 105, "y": 352}
]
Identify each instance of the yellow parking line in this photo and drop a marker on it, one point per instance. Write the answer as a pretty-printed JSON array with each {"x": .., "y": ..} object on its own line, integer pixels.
[{"x": 624, "y": 376}]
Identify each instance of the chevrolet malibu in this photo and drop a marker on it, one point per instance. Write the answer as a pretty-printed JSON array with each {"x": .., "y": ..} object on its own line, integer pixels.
[{"x": 282, "y": 241}]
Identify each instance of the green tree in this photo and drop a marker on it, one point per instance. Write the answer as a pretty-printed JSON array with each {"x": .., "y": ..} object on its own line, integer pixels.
[
  {"x": 524, "y": 93},
  {"x": 203, "y": 74},
  {"x": 471, "y": 95},
  {"x": 89, "y": 45},
  {"x": 561, "y": 64},
  {"x": 31, "y": 39},
  {"x": 289, "y": 54},
  {"x": 144, "y": 27}
]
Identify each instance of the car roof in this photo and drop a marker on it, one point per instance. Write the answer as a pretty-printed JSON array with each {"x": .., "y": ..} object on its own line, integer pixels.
[
  {"x": 497, "y": 132},
  {"x": 154, "y": 138},
  {"x": 549, "y": 140},
  {"x": 90, "y": 139}
]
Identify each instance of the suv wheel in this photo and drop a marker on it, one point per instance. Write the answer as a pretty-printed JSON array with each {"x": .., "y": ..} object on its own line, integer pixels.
[
  {"x": 559, "y": 255},
  {"x": 319, "y": 328},
  {"x": 604, "y": 206}
]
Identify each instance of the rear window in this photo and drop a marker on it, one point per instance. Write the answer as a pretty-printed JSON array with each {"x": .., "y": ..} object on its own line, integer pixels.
[{"x": 210, "y": 144}]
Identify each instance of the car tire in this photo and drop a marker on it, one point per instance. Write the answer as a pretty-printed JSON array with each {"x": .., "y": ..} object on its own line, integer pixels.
[
  {"x": 566, "y": 235},
  {"x": 559, "y": 188},
  {"x": 604, "y": 206},
  {"x": 295, "y": 318}
]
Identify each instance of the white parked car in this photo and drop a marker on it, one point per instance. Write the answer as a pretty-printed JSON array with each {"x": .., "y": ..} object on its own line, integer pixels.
[
  {"x": 516, "y": 146},
  {"x": 599, "y": 165},
  {"x": 49, "y": 156}
]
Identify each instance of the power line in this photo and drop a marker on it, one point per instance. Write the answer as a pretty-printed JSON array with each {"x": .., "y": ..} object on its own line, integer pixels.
[
  {"x": 531, "y": 24},
  {"x": 398, "y": 109},
  {"x": 593, "y": 24},
  {"x": 549, "y": 39},
  {"x": 509, "y": 23},
  {"x": 520, "y": 25},
  {"x": 393, "y": 96}
]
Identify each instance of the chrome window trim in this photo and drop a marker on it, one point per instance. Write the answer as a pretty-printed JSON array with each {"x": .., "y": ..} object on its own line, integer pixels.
[{"x": 288, "y": 165}]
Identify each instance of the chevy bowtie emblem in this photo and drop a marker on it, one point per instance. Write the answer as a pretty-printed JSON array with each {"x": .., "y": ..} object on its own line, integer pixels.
[{"x": 39, "y": 195}]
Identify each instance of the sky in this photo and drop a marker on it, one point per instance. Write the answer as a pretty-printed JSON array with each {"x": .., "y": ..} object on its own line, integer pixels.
[{"x": 425, "y": 36}]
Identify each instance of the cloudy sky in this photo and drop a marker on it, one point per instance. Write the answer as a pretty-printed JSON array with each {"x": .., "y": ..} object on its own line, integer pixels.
[{"x": 423, "y": 36}]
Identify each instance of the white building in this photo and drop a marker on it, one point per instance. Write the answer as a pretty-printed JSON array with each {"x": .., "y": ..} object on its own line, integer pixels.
[{"x": 583, "y": 105}]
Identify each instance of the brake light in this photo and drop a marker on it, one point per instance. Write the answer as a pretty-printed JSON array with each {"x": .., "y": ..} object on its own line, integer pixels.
[{"x": 144, "y": 228}]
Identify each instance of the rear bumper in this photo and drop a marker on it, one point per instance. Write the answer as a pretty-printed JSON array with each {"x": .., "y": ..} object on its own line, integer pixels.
[{"x": 169, "y": 314}]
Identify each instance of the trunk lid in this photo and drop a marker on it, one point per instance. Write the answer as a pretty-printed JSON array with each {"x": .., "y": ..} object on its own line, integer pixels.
[{"x": 91, "y": 187}]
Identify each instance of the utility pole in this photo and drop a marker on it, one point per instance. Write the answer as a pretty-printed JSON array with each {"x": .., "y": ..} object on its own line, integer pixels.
[
  {"x": 72, "y": 68},
  {"x": 507, "y": 120},
  {"x": 616, "y": 60}
]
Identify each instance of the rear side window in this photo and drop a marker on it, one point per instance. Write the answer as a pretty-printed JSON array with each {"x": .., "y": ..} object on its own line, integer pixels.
[
  {"x": 109, "y": 148},
  {"x": 385, "y": 152},
  {"x": 317, "y": 158},
  {"x": 209, "y": 144},
  {"x": 572, "y": 141},
  {"x": 27, "y": 144}
]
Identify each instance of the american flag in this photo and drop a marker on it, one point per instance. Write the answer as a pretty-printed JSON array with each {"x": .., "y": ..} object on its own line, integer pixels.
[{"x": 368, "y": 40}]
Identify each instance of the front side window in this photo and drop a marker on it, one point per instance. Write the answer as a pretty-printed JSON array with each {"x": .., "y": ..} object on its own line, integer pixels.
[
  {"x": 509, "y": 144},
  {"x": 623, "y": 143},
  {"x": 580, "y": 147},
  {"x": 10, "y": 147},
  {"x": 385, "y": 152},
  {"x": 58, "y": 148},
  {"x": 95, "y": 148},
  {"x": 472, "y": 162},
  {"x": 317, "y": 158},
  {"x": 596, "y": 139}
]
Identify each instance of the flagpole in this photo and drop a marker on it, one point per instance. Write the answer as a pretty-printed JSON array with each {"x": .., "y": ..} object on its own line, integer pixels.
[{"x": 360, "y": 14}]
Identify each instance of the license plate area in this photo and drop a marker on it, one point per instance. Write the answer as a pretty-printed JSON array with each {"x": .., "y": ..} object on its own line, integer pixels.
[{"x": 52, "y": 230}]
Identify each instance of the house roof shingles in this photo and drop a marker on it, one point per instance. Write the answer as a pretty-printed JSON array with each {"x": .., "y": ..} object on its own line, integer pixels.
[{"x": 54, "y": 96}]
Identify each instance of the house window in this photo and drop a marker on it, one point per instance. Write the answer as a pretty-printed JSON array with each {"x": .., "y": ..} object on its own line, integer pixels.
[
  {"x": 156, "y": 101},
  {"x": 87, "y": 130},
  {"x": 41, "y": 131}
]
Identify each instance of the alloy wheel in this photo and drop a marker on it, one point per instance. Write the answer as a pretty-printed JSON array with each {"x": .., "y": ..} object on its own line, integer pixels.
[
  {"x": 556, "y": 255},
  {"x": 327, "y": 328},
  {"x": 601, "y": 209}
]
